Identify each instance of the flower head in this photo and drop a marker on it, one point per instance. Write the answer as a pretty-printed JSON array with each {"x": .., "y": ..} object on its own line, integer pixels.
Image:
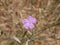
[{"x": 29, "y": 22}]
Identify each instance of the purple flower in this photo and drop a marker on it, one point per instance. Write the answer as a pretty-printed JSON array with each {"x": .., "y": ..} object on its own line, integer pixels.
[{"x": 29, "y": 22}]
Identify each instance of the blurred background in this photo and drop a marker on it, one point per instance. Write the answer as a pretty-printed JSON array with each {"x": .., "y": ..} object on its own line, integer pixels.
[{"x": 47, "y": 27}]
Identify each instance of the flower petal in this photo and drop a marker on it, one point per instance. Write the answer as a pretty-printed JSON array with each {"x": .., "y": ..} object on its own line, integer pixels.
[
  {"x": 28, "y": 26},
  {"x": 31, "y": 26},
  {"x": 25, "y": 21},
  {"x": 32, "y": 19}
]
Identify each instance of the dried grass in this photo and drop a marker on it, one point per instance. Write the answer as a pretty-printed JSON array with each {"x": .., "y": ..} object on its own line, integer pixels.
[{"x": 47, "y": 28}]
